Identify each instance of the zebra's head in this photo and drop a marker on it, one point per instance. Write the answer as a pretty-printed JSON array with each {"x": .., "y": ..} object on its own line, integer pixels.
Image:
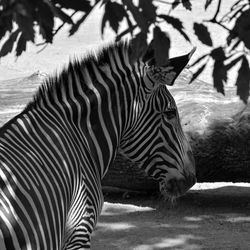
[{"x": 157, "y": 141}]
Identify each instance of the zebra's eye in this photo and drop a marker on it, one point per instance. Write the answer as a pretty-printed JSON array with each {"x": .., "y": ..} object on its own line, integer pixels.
[{"x": 170, "y": 114}]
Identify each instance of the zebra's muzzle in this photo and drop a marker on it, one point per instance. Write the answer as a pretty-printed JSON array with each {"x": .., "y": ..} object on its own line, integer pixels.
[{"x": 177, "y": 187}]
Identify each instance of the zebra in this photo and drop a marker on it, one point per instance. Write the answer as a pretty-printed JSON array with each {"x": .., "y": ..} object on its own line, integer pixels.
[{"x": 54, "y": 154}]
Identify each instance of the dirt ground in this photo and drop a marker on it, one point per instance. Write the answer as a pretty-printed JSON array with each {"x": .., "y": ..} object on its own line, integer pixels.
[{"x": 210, "y": 216}]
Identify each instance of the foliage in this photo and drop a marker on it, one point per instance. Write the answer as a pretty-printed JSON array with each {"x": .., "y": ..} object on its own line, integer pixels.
[
  {"x": 235, "y": 50},
  {"x": 22, "y": 20}
]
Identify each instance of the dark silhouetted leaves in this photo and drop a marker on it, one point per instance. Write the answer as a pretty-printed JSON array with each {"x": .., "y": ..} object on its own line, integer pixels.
[
  {"x": 242, "y": 29},
  {"x": 243, "y": 80},
  {"x": 26, "y": 26},
  {"x": 187, "y": 4},
  {"x": 219, "y": 76},
  {"x": 208, "y": 2},
  {"x": 198, "y": 72},
  {"x": 74, "y": 4},
  {"x": 175, "y": 3},
  {"x": 161, "y": 45},
  {"x": 114, "y": 13},
  {"x": 203, "y": 34},
  {"x": 141, "y": 22},
  {"x": 8, "y": 45},
  {"x": 5, "y": 25},
  {"x": 220, "y": 69},
  {"x": 62, "y": 15},
  {"x": 76, "y": 26},
  {"x": 148, "y": 10},
  {"x": 218, "y": 54},
  {"x": 45, "y": 20},
  {"x": 21, "y": 45},
  {"x": 176, "y": 23},
  {"x": 138, "y": 46}
]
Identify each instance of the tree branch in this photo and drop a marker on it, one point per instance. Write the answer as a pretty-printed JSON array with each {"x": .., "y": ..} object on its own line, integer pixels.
[
  {"x": 218, "y": 23},
  {"x": 60, "y": 27},
  {"x": 126, "y": 31},
  {"x": 217, "y": 11},
  {"x": 164, "y": 2},
  {"x": 214, "y": 19}
]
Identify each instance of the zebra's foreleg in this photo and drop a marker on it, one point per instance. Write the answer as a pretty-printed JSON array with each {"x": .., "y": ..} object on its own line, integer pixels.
[{"x": 81, "y": 234}]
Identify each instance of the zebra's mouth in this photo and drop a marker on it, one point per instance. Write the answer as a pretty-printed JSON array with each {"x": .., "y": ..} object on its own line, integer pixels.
[
  {"x": 168, "y": 192},
  {"x": 174, "y": 188}
]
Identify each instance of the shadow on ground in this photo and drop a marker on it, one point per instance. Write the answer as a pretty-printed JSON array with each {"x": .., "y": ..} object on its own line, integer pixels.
[{"x": 215, "y": 218}]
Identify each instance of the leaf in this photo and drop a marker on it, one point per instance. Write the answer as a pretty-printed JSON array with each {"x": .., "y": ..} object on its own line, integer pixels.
[
  {"x": 62, "y": 15},
  {"x": 76, "y": 26},
  {"x": 244, "y": 27},
  {"x": 45, "y": 19},
  {"x": 175, "y": 4},
  {"x": 138, "y": 46},
  {"x": 21, "y": 9},
  {"x": 241, "y": 29},
  {"x": 137, "y": 15},
  {"x": 208, "y": 2},
  {"x": 203, "y": 34},
  {"x": 25, "y": 24},
  {"x": 21, "y": 45},
  {"x": 176, "y": 23},
  {"x": 219, "y": 76},
  {"x": 8, "y": 45},
  {"x": 218, "y": 54},
  {"x": 81, "y": 5},
  {"x": 161, "y": 45},
  {"x": 148, "y": 10},
  {"x": 243, "y": 80},
  {"x": 186, "y": 4},
  {"x": 6, "y": 24},
  {"x": 198, "y": 72},
  {"x": 114, "y": 14}
]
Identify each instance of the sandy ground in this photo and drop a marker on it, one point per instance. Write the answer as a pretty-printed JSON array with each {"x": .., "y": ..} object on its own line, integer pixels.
[{"x": 210, "y": 216}]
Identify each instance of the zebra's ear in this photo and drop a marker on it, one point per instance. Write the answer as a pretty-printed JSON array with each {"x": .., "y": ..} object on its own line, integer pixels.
[
  {"x": 167, "y": 73},
  {"x": 176, "y": 65}
]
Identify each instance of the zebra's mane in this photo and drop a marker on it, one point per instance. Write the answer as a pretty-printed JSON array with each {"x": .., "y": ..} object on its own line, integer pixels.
[{"x": 54, "y": 82}]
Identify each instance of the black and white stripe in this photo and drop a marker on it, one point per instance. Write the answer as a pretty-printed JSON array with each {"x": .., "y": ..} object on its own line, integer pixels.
[{"x": 54, "y": 154}]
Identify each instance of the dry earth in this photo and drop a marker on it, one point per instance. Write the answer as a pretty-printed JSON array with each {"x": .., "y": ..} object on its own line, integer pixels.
[{"x": 210, "y": 216}]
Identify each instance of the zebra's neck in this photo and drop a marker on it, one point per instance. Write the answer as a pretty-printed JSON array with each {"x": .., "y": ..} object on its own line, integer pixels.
[{"x": 97, "y": 98}]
